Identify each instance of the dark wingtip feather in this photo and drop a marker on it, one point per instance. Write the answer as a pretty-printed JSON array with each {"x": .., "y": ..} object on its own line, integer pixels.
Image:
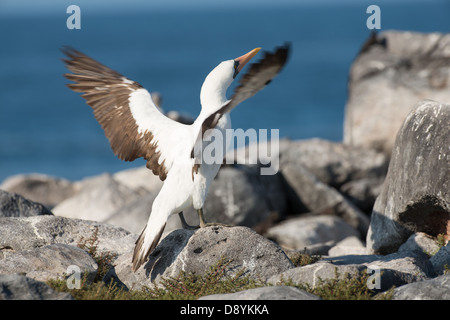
[
  {"x": 70, "y": 53},
  {"x": 285, "y": 51},
  {"x": 139, "y": 258},
  {"x": 279, "y": 56}
]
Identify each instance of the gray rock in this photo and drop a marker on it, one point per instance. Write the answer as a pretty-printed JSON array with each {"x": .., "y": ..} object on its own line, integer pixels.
[
  {"x": 239, "y": 195},
  {"x": 441, "y": 260},
  {"x": 422, "y": 242},
  {"x": 165, "y": 254},
  {"x": 14, "y": 205},
  {"x": 134, "y": 215},
  {"x": 194, "y": 252},
  {"x": 401, "y": 268},
  {"x": 309, "y": 231},
  {"x": 394, "y": 269},
  {"x": 99, "y": 197},
  {"x": 29, "y": 233},
  {"x": 348, "y": 246},
  {"x": 258, "y": 152},
  {"x": 363, "y": 192},
  {"x": 49, "y": 262},
  {"x": 333, "y": 163},
  {"x": 416, "y": 193},
  {"x": 313, "y": 274},
  {"x": 40, "y": 188},
  {"x": 318, "y": 197},
  {"x": 265, "y": 293},
  {"x": 20, "y": 287},
  {"x": 434, "y": 289},
  {"x": 138, "y": 179},
  {"x": 388, "y": 77},
  {"x": 131, "y": 213}
]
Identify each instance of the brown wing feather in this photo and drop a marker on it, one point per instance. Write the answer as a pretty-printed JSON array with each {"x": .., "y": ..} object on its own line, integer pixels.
[{"x": 107, "y": 92}]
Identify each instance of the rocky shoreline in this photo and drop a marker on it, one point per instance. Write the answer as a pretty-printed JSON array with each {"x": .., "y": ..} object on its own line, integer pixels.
[{"x": 377, "y": 205}]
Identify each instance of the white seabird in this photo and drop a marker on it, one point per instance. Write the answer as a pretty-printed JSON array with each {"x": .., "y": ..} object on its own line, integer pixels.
[{"x": 136, "y": 128}]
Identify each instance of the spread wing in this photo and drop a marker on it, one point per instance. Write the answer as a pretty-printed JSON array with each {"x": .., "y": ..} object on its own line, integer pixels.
[
  {"x": 258, "y": 76},
  {"x": 131, "y": 121}
]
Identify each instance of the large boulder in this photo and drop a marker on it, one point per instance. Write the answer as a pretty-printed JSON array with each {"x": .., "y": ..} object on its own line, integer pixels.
[
  {"x": 29, "y": 233},
  {"x": 416, "y": 193},
  {"x": 393, "y": 71},
  {"x": 196, "y": 251},
  {"x": 49, "y": 247},
  {"x": 49, "y": 262}
]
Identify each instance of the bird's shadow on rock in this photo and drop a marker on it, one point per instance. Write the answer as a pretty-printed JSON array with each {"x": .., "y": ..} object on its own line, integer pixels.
[{"x": 167, "y": 252}]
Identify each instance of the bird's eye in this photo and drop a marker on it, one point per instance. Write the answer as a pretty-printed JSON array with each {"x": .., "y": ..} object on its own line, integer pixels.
[{"x": 236, "y": 65}]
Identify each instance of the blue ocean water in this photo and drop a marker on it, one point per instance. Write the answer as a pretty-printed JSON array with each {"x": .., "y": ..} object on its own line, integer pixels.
[{"x": 46, "y": 128}]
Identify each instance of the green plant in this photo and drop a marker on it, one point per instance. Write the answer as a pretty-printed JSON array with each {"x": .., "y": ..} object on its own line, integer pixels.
[
  {"x": 191, "y": 286},
  {"x": 300, "y": 259},
  {"x": 338, "y": 288},
  {"x": 446, "y": 269},
  {"x": 92, "y": 291},
  {"x": 441, "y": 240},
  {"x": 215, "y": 280},
  {"x": 103, "y": 259},
  {"x": 182, "y": 287}
]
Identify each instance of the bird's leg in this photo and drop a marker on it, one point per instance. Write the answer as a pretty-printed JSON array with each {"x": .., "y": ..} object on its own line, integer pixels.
[
  {"x": 184, "y": 223},
  {"x": 203, "y": 221},
  {"x": 201, "y": 218}
]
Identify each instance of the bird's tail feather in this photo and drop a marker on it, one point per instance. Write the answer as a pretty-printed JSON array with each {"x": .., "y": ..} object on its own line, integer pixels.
[{"x": 145, "y": 244}]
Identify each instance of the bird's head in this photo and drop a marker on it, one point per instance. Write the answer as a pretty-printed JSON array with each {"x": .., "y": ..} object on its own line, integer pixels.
[
  {"x": 213, "y": 92},
  {"x": 241, "y": 61}
]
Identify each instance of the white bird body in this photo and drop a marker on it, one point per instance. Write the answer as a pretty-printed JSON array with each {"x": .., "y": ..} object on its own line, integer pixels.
[
  {"x": 179, "y": 190},
  {"x": 136, "y": 128},
  {"x": 207, "y": 172}
]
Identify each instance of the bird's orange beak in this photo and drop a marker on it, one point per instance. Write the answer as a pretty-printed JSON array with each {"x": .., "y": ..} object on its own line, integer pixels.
[{"x": 242, "y": 60}]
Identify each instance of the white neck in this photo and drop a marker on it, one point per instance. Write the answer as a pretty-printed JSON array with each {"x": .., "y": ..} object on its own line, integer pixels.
[
  {"x": 214, "y": 88},
  {"x": 213, "y": 94}
]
